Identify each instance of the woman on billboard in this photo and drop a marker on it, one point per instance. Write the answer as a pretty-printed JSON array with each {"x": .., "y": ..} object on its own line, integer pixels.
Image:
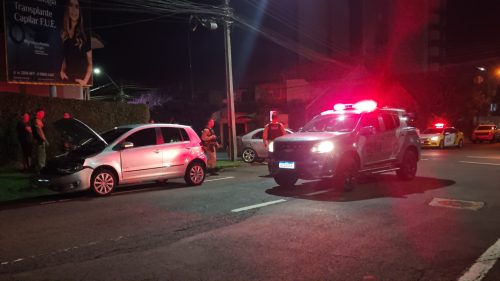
[{"x": 77, "y": 62}]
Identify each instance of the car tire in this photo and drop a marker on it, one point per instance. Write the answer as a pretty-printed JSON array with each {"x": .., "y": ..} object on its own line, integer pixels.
[
  {"x": 249, "y": 155},
  {"x": 347, "y": 174},
  {"x": 441, "y": 145},
  {"x": 286, "y": 180},
  {"x": 195, "y": 174},
  {"x": 103, "y": 182},
  {"x": 408, "y": 168},
  {"x": 460, "y": 143}
]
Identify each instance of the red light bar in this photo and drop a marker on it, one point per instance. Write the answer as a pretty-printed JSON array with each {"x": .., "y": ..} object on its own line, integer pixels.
[
  {"x": 339, "y": 107},
  {"x": 439, "y": 125},
  {"x": 366, "y": 105}
]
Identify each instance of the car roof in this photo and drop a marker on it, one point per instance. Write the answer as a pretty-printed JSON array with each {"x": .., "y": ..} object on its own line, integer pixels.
[{"x": 153, "y": 125}]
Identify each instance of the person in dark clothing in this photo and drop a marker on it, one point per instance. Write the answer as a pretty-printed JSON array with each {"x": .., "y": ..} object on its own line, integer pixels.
[
  {"x": 77, "y": 63},
  {"x": 25, "y": 137},
  {"x": 40, "y": 139},
  {"x": 273, "y": 130}
]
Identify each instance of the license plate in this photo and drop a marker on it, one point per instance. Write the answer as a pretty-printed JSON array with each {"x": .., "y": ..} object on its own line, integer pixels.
[{"x": 286, "y": 165}]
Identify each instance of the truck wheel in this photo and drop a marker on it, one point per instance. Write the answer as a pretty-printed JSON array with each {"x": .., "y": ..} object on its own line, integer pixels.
[
  {"x": 408, "y": 168},
  {"x": 286, "y": 180}
]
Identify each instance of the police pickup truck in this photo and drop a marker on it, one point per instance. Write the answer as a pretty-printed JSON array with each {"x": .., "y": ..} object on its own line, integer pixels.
[{"x": 345, "y": 143}]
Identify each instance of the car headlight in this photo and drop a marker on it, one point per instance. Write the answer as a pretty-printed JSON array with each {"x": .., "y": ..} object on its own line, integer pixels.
[
  {"x": 435, "y": 138},
  {"x": 71, "y": 169},
  {"x": 270, "y": 148},
  {"x": 323, "y": 147}
]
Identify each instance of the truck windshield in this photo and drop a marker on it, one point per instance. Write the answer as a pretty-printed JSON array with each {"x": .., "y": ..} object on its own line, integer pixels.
[{"x": 332, "y": 123}]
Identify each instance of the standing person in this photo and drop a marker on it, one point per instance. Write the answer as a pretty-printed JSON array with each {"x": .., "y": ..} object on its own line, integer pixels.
[
  {"x": 273, "y": 130},
  {"x": 40, "y": 140},
  {"x": 210, "y": 145},
  {"x": 77, "y": 63},
  {"x": 25, "y": 137}
]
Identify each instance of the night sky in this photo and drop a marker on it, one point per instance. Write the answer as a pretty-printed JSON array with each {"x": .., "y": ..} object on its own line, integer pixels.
[{"x": 156, "y": 52}]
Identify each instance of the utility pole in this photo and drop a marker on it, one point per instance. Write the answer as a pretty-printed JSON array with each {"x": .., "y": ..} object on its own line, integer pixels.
[{"x": 231, "y": 119}]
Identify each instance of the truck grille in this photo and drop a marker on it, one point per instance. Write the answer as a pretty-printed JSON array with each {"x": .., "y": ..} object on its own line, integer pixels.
[{"x": 292, "y": 151}]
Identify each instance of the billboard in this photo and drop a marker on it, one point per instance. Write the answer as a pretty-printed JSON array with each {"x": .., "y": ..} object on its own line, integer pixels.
[{"x": 48, "y": 42}]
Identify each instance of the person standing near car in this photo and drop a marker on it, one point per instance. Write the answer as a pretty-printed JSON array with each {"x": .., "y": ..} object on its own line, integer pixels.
[
  {"x": 40, "y": 140},
  {"x": 210, "y": 145},
  {"x": 25, "y": 137},
  {"x": 273, "y": 130}
]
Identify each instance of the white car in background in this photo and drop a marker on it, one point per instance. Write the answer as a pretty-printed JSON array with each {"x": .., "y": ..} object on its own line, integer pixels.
[{"x": 252, "y": 146}]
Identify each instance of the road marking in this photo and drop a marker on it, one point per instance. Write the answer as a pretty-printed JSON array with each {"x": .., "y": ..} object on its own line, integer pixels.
[
  {"x": 481, "y": 157},
  {"x": 258, "y": 205},
  {"x": 480, "y": 163},
  {"x": 319, "y": 192},
  {"x": 219, "y": 179},
  {"x": 424, "y": 159},
  {"x": 483, "y": 264},
  {"x": 456, "y": 204}
]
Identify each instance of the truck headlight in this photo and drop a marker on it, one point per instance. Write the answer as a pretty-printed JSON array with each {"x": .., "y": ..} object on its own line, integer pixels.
[
  {"x": 434, "y": 138},
  {"x": 270, "y": 148},
  {"x": 323, "y": 147}
]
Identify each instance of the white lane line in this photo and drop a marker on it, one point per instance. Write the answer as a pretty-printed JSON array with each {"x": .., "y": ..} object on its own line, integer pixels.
[
  {"x": 483, "y": 264},
  {"x": 319, "y": 192},
  {"x": 480, "y": 163},
  {"x": 258, "y": 205},
  {"x": 424, "y": 159},
  {"x": 484, "y": 157},
  {"x": 219, "y": 179}
]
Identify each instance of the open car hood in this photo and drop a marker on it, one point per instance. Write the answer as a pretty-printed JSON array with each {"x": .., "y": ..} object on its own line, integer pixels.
[{"x": 78, "y": 131}]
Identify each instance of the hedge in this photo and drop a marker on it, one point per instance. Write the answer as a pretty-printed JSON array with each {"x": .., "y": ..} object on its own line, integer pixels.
[{"x": 98, "y": 115}]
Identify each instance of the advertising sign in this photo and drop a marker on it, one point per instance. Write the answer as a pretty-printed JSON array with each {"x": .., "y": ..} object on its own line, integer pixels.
[{"x": 48, "y": 42}]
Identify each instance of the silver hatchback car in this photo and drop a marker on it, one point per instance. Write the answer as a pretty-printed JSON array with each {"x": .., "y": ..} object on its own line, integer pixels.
[
  {"x": 252, "y": 146},
  {"x": 124, "y": 155}
]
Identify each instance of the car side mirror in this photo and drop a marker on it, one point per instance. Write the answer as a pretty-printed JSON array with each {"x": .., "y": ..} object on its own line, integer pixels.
[
  {"x": 127, "y": 145},
  {"x": 367, "y": 131}
]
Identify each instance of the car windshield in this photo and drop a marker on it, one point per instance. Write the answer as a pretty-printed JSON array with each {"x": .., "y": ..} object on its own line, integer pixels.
[
  {"x": 432, "y": 131},
  {"x": 332, "y": 123},
  {"x": 111, "y": 135},
  {"x": 93, "y": 145}
]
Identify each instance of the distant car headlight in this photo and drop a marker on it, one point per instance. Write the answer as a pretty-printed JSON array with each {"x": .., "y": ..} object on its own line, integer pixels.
[
  {"x": 270, "y": 148},
  {"x": 71, "y": 169},
  {"x": 435, "y": 138},
  {"x": 323, "y": 147}
]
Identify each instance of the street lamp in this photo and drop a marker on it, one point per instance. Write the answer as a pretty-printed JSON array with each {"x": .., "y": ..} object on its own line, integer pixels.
[
  {"x": 98, "y": 71},
  {"x": 121, "y": 94}
]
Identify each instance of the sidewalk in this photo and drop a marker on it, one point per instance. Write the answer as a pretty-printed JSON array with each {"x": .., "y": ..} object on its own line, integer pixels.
[{"x": 15, "y": 185}]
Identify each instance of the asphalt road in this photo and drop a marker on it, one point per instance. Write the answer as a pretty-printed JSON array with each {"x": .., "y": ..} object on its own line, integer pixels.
[{"x": 241, "y": 226}]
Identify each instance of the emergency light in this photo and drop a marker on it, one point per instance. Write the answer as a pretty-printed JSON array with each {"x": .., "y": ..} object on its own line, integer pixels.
[
  {"x": 364, "y": 106},
  {"x": 439, "y": 125}
]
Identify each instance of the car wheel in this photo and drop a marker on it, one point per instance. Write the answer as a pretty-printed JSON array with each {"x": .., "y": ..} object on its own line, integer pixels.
[
  {"x": 346, "y": 175},
  {"x": 103, "y": 182},
  {"x": 441, "y": 145},
  {"x": 249, "y": 155},
  {"x": 408, "y": 168},
  {"x": 195, "y": 174},
  {"x": 460, "y": 143},
  {"x": 286, "y": 180}
]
